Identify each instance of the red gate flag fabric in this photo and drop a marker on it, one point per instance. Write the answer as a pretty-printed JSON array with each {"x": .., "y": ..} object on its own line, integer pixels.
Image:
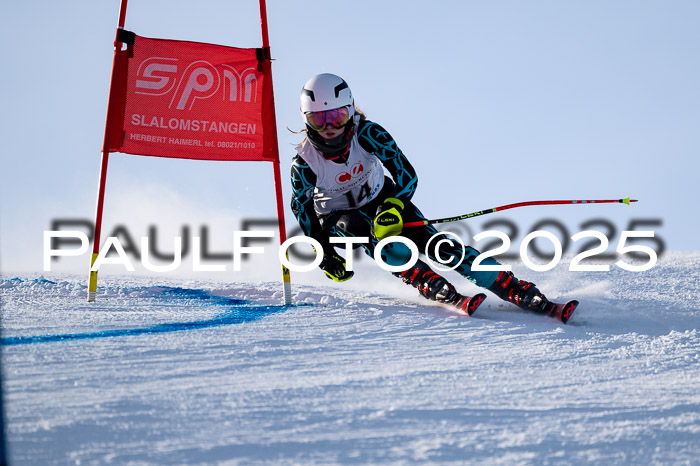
[{"x": 190, "y": 100}]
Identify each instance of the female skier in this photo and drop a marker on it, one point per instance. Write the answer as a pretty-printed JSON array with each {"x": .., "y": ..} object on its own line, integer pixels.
[{"x": 340, "y": 189}]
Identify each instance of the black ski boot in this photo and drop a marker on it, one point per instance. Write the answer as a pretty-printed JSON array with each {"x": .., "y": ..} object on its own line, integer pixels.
[
  {"x": 429, "y": 284},
  {"x": 523, "y": 294},
  {"x": 435, "y": 287}
]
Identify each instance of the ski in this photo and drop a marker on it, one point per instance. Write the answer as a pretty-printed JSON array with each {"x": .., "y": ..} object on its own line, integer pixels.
[
  {"x": 561, "y": 311},
  {"x": 469, "y": 304}
]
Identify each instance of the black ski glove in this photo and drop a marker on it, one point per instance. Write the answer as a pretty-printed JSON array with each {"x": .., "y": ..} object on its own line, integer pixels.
[{"x": 334, "y": 266}]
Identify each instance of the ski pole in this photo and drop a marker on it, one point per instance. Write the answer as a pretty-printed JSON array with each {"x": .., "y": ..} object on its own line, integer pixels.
[{"x": 626, "y": 200}]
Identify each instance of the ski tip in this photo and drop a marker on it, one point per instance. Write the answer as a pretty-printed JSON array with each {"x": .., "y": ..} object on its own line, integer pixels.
[
  {"x": 474, "y": 302},
  {"x": 562, "y": 312},
  {"x": 567, "y": 310}
]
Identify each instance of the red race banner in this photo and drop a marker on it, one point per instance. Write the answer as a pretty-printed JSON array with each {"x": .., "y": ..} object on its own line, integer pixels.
[{"x": 189, "y": 100}]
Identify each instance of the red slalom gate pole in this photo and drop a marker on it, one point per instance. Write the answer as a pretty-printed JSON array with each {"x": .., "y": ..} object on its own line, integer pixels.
[
  {"x": 92, "y": 282},
  {"x": 267, "y": 67},
  {"x": 626, "y": 200}
]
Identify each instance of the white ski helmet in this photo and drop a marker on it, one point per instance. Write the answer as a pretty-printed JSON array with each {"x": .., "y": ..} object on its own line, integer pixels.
[
  {"x": 326, "y": 92},
  {"x": 326, "y": 99}
]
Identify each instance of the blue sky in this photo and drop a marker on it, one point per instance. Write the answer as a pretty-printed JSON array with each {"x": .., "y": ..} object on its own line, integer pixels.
[{"x": 493, "y": 102}]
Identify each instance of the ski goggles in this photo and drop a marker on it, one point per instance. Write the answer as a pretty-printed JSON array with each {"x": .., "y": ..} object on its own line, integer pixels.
[{"x": 337, "y": 118}]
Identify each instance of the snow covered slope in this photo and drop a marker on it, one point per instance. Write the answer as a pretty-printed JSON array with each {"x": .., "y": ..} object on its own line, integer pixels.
[{"x": 199, "y": 372}]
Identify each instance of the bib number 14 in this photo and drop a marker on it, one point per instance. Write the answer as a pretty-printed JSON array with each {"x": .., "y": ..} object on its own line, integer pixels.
[{"x": 363, "y": 192}]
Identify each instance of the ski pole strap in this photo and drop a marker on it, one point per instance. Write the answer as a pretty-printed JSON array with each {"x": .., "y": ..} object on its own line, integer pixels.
[{"x": 626, "y": 200}]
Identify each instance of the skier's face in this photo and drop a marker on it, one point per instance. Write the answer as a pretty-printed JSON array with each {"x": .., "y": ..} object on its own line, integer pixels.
[{"x": 330, "y": 132}]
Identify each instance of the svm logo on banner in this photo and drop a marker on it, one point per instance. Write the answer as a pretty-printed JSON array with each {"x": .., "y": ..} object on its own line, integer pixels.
[{"x": 200, "y": 80}]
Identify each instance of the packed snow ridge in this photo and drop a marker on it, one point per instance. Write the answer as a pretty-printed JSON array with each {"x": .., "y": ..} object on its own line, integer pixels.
[{"x": 199, "y": 372}]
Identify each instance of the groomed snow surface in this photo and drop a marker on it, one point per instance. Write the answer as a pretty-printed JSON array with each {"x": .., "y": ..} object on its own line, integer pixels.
[{"x": 178, "y": 371}]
